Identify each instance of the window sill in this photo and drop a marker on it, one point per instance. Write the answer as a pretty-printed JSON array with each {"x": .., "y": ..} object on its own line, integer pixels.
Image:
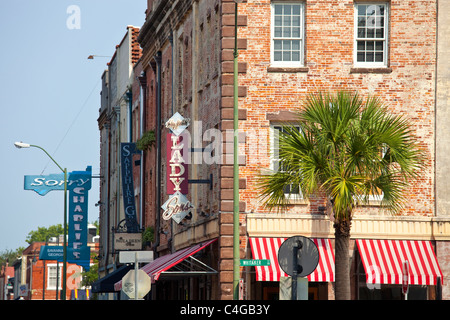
[
  {"x": 297, "y": 201},
  {"x": 288, "y": 69},
  {"x": 380, "y": 70}
]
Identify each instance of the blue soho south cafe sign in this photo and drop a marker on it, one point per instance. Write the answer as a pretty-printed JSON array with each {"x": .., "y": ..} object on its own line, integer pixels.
[{"x": 78, "y": 185}]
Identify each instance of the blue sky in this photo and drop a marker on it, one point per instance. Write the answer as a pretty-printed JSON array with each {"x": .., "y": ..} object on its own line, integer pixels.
[{"x": 50, "y": 96}]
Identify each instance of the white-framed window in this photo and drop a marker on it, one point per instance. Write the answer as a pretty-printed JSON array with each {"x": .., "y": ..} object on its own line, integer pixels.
[
  {"x": 292, "y": 192},
  {"x": 52, "y": 276},
  {"x": 287, "y": 34},
  {"x": 371, "y": 34}
]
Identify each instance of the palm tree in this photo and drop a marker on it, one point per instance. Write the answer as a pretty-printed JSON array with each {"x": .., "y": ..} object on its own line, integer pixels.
[{"x": 347, "y": 149}]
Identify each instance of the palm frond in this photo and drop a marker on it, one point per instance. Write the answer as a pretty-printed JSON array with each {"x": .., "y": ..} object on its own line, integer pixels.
[{"x": 348, "y": 148}]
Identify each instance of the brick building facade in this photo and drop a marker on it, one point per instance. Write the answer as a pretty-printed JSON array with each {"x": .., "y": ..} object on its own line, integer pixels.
[
  {"x": 36, "y": 279},
  {"x": 287, "y": 49}
]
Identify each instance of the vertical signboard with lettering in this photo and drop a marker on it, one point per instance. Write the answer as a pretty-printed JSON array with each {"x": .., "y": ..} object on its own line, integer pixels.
[
  {"x": 177, "y": 206},
  {"x": 177, "y": 172},
  {"x": 127, "y": 150},
  {"x": 78, "y": 250}
]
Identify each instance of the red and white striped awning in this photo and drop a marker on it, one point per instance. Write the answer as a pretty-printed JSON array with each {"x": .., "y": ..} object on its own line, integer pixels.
[
  {"x": 383, "y": 260},
  {"x": 267, "y": 248},
  {"x": 157, "y": 267}
]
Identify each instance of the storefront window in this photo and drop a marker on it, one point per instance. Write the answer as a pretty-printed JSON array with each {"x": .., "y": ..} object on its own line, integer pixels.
[{"x": 369, "y": 291}]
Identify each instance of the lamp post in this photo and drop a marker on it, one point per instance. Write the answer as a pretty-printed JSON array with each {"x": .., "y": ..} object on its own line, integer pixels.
[
  {"x": 235, "y": 161},
  {"x": 21, "y": 145}
]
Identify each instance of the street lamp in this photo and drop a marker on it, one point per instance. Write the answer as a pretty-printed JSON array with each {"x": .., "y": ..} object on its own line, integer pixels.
[
  {"x": 91, "y": 56},
  {"x": 21, "y": 145},
  {"x": 236, "y": 246}
]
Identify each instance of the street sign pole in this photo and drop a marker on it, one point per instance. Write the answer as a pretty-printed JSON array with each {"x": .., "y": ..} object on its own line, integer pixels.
[
  {"x": 136, "y": 268},
  {"x": 405, "y": 279},
  {"x": 295, "y": 267},
  {"x": 135, "y": 257}
]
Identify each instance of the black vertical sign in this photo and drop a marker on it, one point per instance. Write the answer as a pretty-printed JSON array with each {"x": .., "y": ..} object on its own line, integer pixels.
[{"x": 127, "y": 150}]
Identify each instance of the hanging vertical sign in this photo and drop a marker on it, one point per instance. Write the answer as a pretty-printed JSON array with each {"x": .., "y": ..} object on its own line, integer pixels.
[
  {"x": 78, "y": 250},
  {"x": 177, "y": 206},
  {"x": 177, "y": 173},
  {"x": 126, "y": 151},
  {"x": 78, "y": 185}
]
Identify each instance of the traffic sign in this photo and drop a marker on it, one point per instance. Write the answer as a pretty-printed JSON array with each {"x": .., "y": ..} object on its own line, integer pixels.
[
  {"x": 254, "y": 263},
  {"x": 136, "y": 286},
  {"x": 298, "y": 256},
  {"x": 135, "y": 256}
]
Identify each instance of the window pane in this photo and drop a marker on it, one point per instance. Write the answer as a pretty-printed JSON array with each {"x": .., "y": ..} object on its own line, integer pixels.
[
  {"x": 294, "y": 188},
  {"x": 370, "y": 57},
  {"x": 361, "y": 45},
  {"x": 361, "y": 21},
  {"x": 286, "y": 32},
  {"x": 287, "y": 9},
  {"x": 277, "y": 45},
  {"x": 296, "y": 9},
  {"x": 378, "y": 57},
  {"x": 362, "y": 10},
  {"x": 295, "y": 56},
  {"x": 277, "y": 55},
  {"x": 361, "y": 32},
  {"x": 296, "y": 21},
  {"x": 277, "y": 21},
  {"x": 380, "y": 33},
  {"x": 277, "y": 32},
  {"x": 360, "y": 57},
  {"x": 380, "y": 22},
  {"x": 287, "y": 21},
  {"x": 370, "y": 46},
  {"x": 296, "y": 32},
  {"x": 278, "y": 9},
  {"x": 295, "y": 45},
  {"x": 286, "y": 56},
  {"x": 371, "y": 9},
  {"x": 370, "y": 33},
  {"x": 286, "y": 45},
  {"x": 379, "y": 45}
]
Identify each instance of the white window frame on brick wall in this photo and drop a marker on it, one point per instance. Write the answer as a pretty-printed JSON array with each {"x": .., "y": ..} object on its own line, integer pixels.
[
  {"x": 284, "y": 35},
  {"x": 370, "y": 32},
  {"x": 274, "y": 158},
  {"x": 51, "y": 277}
]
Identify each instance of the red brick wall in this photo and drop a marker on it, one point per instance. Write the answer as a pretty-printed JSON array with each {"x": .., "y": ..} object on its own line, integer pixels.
[{"x": 408, "y": 89}]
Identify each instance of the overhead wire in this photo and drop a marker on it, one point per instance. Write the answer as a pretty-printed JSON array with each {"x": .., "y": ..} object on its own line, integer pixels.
[{"x": 71, "y": 125}]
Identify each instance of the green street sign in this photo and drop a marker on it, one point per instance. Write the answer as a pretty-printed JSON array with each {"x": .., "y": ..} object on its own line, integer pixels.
[{"x": 255, "y": 263}]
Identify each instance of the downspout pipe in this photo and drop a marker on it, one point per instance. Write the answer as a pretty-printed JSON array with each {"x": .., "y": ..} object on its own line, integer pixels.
[
  {"x": 172, "y": 107},
  {"x": 158, "y": 59},
  {"x": 130, "y": 112},
  {"x": 106, "y": 207},
  {"x": 142, "y": 107}
]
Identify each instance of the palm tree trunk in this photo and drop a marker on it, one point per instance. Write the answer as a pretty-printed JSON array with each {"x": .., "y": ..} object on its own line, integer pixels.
[{"x": 342, "y": 267}]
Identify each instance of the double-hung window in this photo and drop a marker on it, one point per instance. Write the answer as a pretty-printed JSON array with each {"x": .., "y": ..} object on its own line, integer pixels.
[
  {"x": 290, "y": 191},
  {"x": 371, "y": 34},
  {"x": 52, "y": 277},
  {"x": 288, "y": 42}
]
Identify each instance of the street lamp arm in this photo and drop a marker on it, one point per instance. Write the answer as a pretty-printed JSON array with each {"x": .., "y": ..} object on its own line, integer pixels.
[
  {"x": 21, "y": 145},
  {"x": 32, "y": 145}
]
